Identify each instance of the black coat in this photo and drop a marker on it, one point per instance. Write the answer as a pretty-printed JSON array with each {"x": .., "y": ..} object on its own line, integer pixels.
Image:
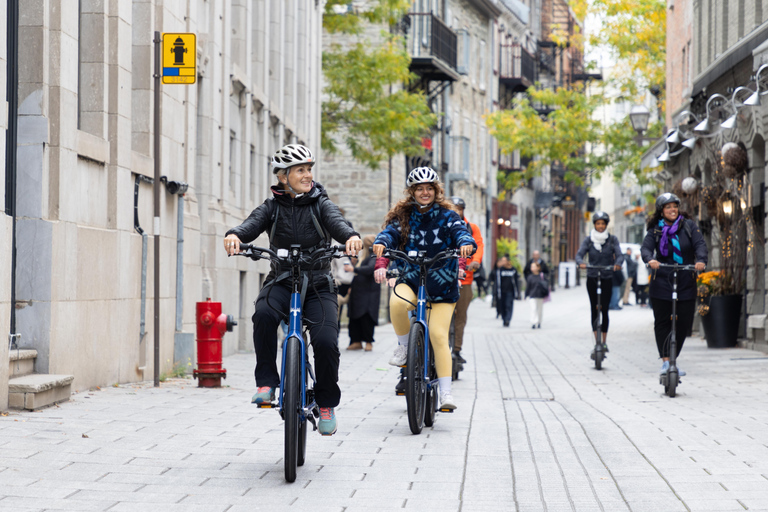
[
  {"x": 694, "y": 250},
  {"x": 294, "y": 224},
  {"x": 609, "y": 254},
  {"x": 506, "y": 281},
  {"x": 536, "y": 286},
  {"x": 365, "y": 293}
]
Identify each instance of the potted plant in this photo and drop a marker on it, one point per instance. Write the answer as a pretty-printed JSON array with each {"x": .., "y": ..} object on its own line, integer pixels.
[
  {"x": 721, "y": 291},
  {"x": 719, "y": 307}
]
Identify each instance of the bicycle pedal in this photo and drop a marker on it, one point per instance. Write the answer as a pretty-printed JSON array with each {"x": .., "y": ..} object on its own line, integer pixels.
[
  {"x": 399, "y": 393},
  {"x": 267, "y": 405},
  {"x": 446, "y": 410}
]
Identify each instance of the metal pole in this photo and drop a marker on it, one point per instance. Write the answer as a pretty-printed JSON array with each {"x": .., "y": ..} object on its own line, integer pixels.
[{"x": 156, "y": 190}]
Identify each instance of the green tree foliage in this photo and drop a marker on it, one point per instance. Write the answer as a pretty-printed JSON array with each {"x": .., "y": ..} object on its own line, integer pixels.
[
  {"x": 555, "y": 138},
  {"x": 366, "y": 106},
  {"x": 509, "y": 247},
  {"x": 635, "y": 33}
]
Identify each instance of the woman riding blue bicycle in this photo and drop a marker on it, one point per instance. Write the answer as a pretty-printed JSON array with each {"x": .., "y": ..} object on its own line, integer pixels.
[
  {"x": 672, "y": 237},
  {"x": 299, "y": 212},
  {"x": 425, "y": 221},
  {"x": 603, "y": 250}
]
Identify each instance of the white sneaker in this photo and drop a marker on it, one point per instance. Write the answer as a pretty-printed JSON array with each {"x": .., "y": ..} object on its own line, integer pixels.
[
  {"x": 446, "y": 401},
  {"x": 400, "y": 357}
]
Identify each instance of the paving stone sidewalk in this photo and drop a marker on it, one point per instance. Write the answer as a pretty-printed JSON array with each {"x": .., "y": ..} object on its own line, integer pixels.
[{"x": 537, "y": 429}]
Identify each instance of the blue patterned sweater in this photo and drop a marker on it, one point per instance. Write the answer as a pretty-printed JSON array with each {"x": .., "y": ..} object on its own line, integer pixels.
[{"x": 435, "y": 230}]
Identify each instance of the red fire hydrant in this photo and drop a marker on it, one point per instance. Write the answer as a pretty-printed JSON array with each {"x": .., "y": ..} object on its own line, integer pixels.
[{"x": 211, "y": 326}]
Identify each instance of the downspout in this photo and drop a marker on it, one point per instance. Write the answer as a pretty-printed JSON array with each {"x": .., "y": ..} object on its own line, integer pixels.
[
  {"x": 11, "y": 138},
  {"x": 180, "y": 265},
  {"x": 137, "y": 227}
]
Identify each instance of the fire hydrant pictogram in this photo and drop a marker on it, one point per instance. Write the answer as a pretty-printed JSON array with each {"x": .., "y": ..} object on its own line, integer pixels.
[
  {"x": 211, "y": 326},
  {"x": 178, "y": 52}
]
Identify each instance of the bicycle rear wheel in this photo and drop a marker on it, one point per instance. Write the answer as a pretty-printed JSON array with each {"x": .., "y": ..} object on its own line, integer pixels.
[
  {"x": 415, "y": 385},
  {"x": 291, "y": 406}
]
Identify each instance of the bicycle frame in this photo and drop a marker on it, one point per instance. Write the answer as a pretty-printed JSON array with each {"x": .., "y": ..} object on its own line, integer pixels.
[
  {"x": 421, "y": 299},
  {"x": 294, "y": 330}
]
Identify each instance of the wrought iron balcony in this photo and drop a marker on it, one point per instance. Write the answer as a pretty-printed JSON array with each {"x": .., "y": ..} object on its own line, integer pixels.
[
  {"x": 517, "y": 67},
  {"x": 433, "y": 48}
]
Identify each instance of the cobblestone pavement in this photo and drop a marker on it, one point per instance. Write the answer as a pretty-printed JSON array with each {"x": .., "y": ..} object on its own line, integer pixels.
[{"x": 537, "y": 429}]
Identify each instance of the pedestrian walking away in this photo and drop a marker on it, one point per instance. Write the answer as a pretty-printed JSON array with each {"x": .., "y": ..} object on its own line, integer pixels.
[
  {"x": 672, "y": 237},
  {"x": 299, "y": 211},
  {"x": 364, "y": 299},
  {"x": 506, "y": 288},
  {"x": 465, "y": 293},
  {"x": 602, "y": 250},
  {"x": 425, "y": 221},
  {"x": 536, "y": 290},
  {"x": 631, "y": 281}
]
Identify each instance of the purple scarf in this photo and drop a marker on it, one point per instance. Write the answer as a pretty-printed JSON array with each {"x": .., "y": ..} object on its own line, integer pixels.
[{"x": 667, "y": 232}]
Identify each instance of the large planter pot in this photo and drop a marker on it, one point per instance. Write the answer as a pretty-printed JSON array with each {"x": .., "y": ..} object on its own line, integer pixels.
[{"x": 721, "y": 323}]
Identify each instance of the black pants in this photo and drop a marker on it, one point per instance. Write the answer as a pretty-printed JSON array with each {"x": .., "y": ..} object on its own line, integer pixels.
[
  {"x": 361, "y": 329},
  {"x": 606, "y": 286},
  {"x": 505, "y": 306},
  {"x": 662, "y": 325},
  {"x": 321, "y": 308}
]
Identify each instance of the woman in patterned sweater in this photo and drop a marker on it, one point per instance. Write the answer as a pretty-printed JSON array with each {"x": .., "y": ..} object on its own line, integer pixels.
[{"x": 425, "y": 221}]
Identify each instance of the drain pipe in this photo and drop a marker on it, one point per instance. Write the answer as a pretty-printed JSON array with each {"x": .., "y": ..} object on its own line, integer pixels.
[
  {"x": 180, "y": 265},
  {"x": 137, "y": 227},
  {"x": 11, "y": 138}
]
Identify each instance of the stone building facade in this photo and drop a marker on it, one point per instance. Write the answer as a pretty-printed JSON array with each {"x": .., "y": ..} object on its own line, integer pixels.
[
  {"x": 85, "y": 153},
  {"x": 715, "y": 47}
]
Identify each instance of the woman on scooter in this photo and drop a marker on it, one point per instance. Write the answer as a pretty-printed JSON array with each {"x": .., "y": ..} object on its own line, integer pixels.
[
  {"x": 672, "y": 237},
  {"x": 602, "y": 250},
  {"x": 425, "y": 221}
]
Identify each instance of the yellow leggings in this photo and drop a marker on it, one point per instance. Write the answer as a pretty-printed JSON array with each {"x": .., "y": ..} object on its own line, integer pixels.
[{"x": 438, "y": 319}]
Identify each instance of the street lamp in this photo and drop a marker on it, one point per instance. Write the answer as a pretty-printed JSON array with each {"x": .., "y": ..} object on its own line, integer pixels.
[{"x": 639, "y": 117}]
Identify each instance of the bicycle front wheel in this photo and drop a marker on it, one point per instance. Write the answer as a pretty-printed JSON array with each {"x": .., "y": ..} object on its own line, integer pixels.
[
  {"x": 430, "y": 407},
  {"x": 416, "y": 386},
  {"x": 292, "y": 405},
  {"x": 302, "y": 443}
]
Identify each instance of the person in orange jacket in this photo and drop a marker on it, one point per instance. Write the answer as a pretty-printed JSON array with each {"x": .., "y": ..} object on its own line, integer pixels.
[{"x": 466, "y": 294}]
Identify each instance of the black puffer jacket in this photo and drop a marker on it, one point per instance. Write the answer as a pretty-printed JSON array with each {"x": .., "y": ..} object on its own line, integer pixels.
[{"x": 294, "y": 224}]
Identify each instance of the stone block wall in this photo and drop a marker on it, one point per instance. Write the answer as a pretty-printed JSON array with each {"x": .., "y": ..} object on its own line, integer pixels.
[{"x": 86, "y": 132}]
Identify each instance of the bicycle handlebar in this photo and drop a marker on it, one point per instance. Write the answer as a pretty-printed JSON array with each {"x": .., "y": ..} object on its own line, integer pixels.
[
  {"x": 421, "y": 260},
  {"x": 677, "y": 266},
  {"x": 258, "y": 253}
]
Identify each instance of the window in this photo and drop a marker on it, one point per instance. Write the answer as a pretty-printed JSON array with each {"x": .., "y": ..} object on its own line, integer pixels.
[
  {"x": 482, "y": 78},
  {"x": 464, "y": 52}
]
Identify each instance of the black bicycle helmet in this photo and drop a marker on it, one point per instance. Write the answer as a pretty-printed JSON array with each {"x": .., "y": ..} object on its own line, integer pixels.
[
  {"x": 665, "y": 199},
  {"x": 458, "y": 202},
  {"x": 601, "y": 216}
]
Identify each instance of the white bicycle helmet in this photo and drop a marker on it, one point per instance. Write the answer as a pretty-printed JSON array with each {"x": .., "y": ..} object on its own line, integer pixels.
[
  {"x": 421, "y": 175},
  {"x": 290, "y": 155}
]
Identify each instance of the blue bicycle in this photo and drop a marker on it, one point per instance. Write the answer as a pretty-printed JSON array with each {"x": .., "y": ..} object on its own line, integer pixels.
[
  {"x": 296, "y": 400},
  {"x": 421, "y": 389}
]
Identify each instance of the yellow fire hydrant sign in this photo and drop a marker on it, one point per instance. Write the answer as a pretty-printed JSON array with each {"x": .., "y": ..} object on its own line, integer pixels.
[{"x": 179, "y": 58}]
